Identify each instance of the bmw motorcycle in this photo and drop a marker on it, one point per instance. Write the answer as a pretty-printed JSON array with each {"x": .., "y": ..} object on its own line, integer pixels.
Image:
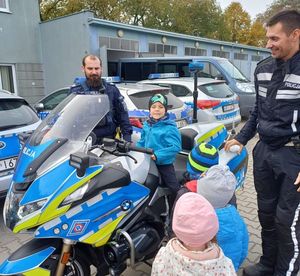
[{"x": 88, "y": 204}]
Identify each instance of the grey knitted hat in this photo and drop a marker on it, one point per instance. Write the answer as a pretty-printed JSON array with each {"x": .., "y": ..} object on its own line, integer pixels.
[{"x": 217, "y": 185}]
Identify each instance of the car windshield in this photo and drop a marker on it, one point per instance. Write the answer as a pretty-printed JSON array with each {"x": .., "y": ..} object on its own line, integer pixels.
[
  {"x": 217, "y": 90},
  {"x": 73, "y": 119},
  {"x": 141, "y": 99},
  {"x": 233, "y": 71},
  {"x": 16, "y": 113}
]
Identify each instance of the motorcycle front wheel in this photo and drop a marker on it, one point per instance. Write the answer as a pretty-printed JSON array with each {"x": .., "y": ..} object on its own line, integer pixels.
[{"x": 77, "y": 265}]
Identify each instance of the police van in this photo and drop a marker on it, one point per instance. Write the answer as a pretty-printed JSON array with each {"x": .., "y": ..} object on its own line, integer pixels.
[{"x": 16, "y": 117}]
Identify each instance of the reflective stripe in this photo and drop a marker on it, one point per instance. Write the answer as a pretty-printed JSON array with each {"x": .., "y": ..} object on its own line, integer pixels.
[
  {"x": 262, "y": 91},
  {"x": 292, "y": 78},
  {"x": 295, "y": 116},
  {"x": 295, "y": 241},
  {"x": 288, "y": 94},
  {"x": 264, "y": 76}
]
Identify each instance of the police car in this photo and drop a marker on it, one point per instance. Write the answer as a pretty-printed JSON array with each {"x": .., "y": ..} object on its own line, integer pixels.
[
  {"x": 16, "y": 117},
  {"x": 216, "y": 101}
]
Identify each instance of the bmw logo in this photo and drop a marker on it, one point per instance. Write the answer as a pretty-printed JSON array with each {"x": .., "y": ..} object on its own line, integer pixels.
[
  {"x": 2, "y": 145},
  {"x": 125, "y": 205}
]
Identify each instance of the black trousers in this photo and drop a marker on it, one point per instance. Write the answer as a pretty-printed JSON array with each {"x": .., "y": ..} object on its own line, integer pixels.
[
  {"x": 168, "y": 177},
  {"x": 278, "y": 201}
]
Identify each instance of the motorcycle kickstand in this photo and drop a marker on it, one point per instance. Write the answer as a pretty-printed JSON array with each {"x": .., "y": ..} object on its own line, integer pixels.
[{"x": 64, "y": 257}]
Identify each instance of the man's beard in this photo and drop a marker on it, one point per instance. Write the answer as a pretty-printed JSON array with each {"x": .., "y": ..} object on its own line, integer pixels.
[{"x": 94, "y": 81}]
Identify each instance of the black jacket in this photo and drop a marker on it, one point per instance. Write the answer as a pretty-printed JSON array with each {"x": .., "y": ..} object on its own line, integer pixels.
[
  {"x": 118, "y": 116},
  {"x": 276, "y": 114}
]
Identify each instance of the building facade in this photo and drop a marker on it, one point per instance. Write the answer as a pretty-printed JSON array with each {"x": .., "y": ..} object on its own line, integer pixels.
[{"x": 44, "y": 56}]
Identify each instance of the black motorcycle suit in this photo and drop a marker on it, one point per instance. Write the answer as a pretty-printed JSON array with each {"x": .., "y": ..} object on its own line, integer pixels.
[{"x": 276, "y": 160}]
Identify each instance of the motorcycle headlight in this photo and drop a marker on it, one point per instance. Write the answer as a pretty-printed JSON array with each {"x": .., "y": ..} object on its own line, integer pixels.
[
  {"x": 76, "y": 195},
  {"x": 30, "y": 208}
]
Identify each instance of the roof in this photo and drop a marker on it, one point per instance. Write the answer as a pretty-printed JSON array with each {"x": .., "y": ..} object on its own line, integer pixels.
[
  {"x": 200, "y": 81},
  {"x": 139, "y": 87}
]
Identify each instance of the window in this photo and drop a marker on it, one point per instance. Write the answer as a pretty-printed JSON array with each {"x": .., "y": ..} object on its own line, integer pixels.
[
  {"x": 54, "y": 99},
  {"x": 162, "y": 48},
  {"x": 141, "y": 99},
  {"x": 15, "y": 113},
  {"x": 188, "y": 51},
  {"x": 216, "y": 90},
  {"x": 119, "y": 44},
  {"x": 181, "y": 91},
  {"x": 7, "y": 78},
  {"x": 240, "y": 56},
  {"x": 256, "y": 58},
  {"x": 220, "y": 54},
  {"x": 4, "y": 5}
]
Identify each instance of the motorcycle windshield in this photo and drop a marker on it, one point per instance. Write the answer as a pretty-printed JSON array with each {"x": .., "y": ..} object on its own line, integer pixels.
[{"x": 73, "y": 119}]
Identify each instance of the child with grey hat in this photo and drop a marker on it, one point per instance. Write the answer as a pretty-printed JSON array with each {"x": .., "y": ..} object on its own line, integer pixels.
[{"x": 217, "y": 185}]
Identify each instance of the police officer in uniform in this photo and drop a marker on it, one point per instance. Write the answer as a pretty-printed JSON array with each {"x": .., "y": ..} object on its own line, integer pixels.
[
  {"x": 276, "y": 156},
  {"x": 92, "y": 83}
]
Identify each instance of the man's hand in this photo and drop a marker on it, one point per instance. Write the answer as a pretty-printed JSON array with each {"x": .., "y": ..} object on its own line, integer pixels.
[
  {"x": 231, "y": 143},
  {"x": 297, "y": 182}
]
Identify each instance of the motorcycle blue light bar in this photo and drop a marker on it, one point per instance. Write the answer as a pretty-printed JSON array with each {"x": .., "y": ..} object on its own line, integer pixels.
[
  {"x": 196, "y": 66},
  {"x": 112, "y": 79},
  {"x": 163, "y": 76}
]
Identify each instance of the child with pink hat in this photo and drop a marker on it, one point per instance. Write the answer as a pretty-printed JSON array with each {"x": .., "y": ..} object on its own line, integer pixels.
[{"x": 194, "y": 250}]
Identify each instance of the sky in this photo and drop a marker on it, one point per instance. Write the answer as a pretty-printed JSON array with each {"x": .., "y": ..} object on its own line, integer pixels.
[{"x": 253, "y": 7}]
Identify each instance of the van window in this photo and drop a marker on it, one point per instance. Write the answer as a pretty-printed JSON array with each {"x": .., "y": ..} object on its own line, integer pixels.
[
  {"x": 217, "y": 90},
  {"x": 233, "y": 71}
]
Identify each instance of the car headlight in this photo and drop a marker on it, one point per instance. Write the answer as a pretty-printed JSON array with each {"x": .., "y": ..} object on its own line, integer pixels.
[
  {"x": 246, "y": 87},
  {"x": 31, "y": 208},
  {"x": 76, "y": 195}
]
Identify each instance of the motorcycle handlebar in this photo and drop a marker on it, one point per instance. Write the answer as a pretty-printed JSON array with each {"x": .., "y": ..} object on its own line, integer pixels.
[
  {"x": 143, "y": 150},
  {"x": 124, "y": 146}
]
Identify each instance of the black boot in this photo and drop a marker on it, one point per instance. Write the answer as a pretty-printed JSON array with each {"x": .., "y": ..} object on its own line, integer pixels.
[{"x": 258, "y": 270}]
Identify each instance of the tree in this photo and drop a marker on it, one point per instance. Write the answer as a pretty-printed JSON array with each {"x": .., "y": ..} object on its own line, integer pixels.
[
  {"x": 276, "y": 6},
  {"x": 257, "y": 35},
  {"x": 238, "y": 22}
]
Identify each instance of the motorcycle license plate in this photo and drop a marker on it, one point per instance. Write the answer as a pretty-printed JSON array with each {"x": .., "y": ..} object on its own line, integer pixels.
[
  {"x": 229, "y": 107},
  {"x": 7, "y": 164},
  {"x": 181, "y": 123}
]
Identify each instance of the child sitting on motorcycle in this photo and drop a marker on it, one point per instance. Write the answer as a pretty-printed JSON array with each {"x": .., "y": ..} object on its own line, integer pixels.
[
  {"x": 161, "y": 134},
  {"x": 194, "y": 250},
  {"x": 217, "y": 185}
]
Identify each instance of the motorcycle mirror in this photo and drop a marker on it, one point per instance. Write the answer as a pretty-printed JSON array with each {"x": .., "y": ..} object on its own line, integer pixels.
[{"x": 80, "y": 162}]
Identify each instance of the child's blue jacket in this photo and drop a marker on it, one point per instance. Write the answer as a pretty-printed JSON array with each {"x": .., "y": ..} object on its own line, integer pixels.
[
  {"x": 164, "y": 138},
  {"x": 233, "y": 235}
]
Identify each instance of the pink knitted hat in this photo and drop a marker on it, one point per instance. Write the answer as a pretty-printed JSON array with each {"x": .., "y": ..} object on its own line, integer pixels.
[{"x": 194, "y": 221}]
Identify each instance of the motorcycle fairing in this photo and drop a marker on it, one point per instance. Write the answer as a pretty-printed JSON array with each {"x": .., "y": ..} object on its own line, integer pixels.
[
  {"x": 237, "y": 163},
  {"x": 214, "y": 136},
  {"x": 94, "y": 220},
  {"x": 28, "y": 259},
  {"x": 28, "y": 154},
  {"x": 28, "y": 265},
  {"x": 52, "y": 208}
]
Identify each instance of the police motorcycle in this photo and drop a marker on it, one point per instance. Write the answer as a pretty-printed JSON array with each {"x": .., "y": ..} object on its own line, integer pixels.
[{"x": 84, "y": 204}]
